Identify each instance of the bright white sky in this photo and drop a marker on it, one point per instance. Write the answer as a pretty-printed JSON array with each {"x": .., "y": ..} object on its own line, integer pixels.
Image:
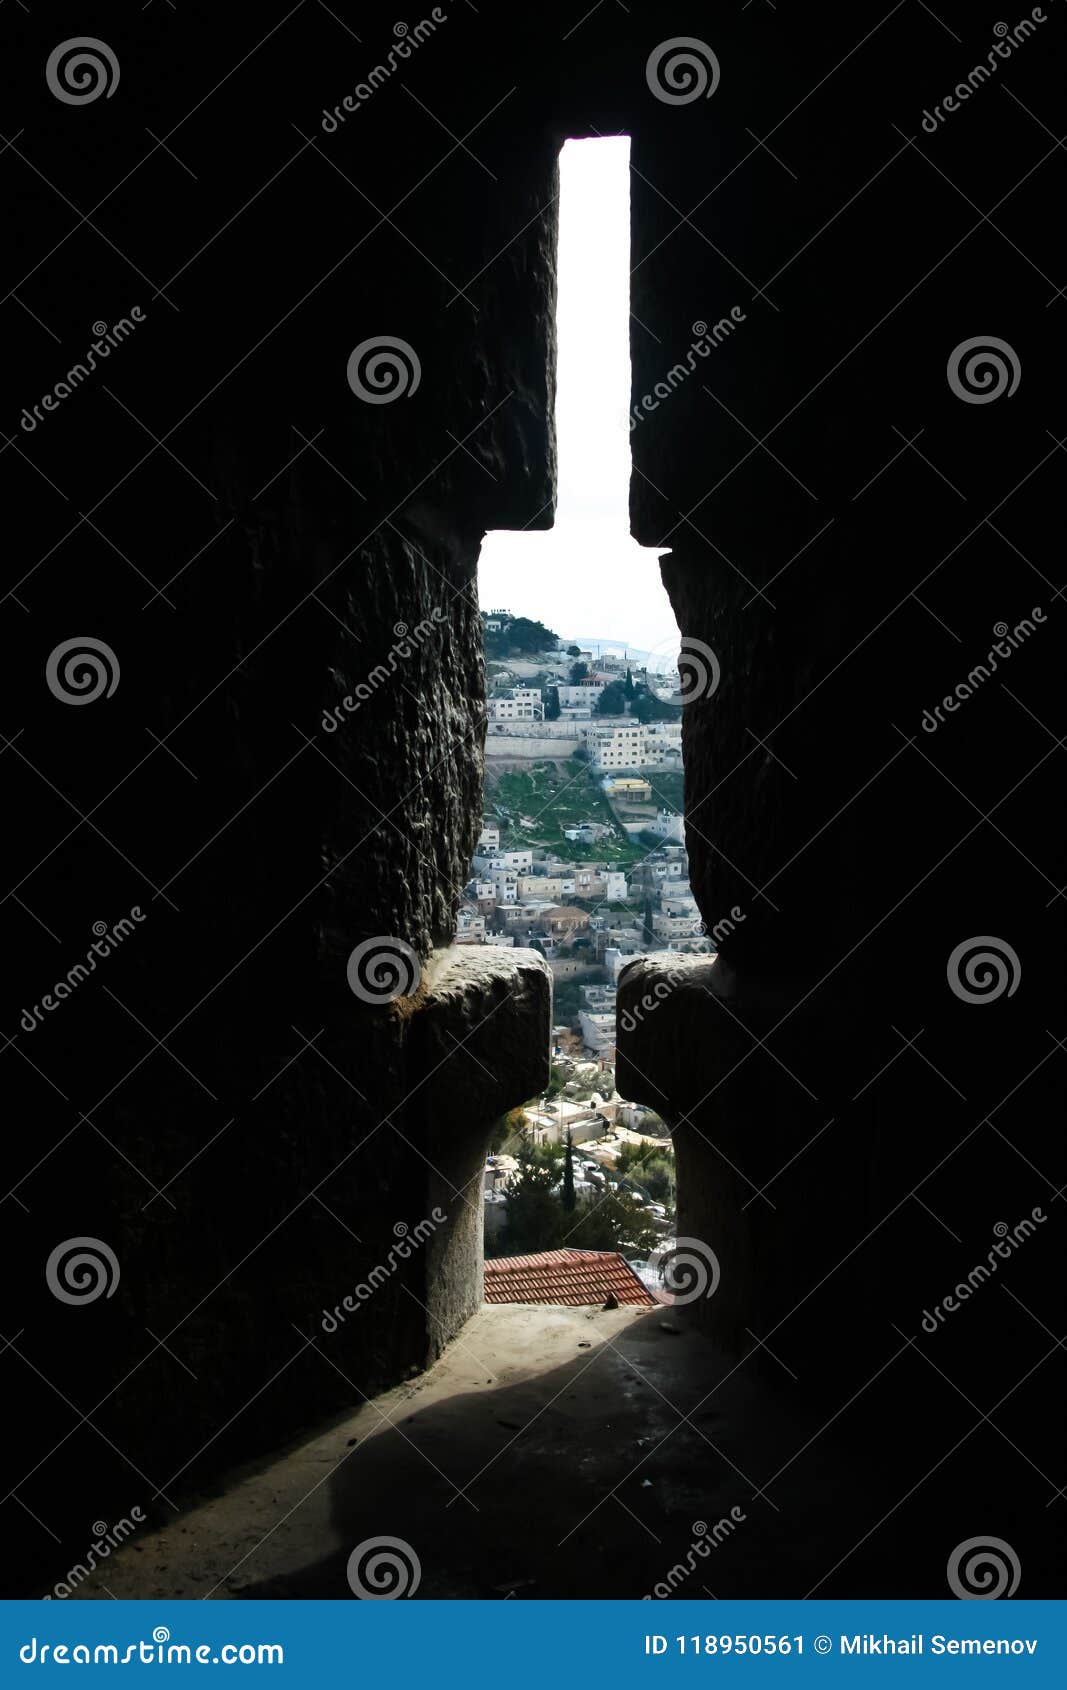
[{"x": 586, "y": 577}]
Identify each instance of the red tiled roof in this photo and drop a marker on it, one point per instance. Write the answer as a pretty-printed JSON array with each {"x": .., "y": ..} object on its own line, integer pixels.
[{"x": 577, "y": 1277}]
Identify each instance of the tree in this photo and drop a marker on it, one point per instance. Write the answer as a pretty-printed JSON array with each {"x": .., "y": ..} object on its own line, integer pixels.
[
  {"x": 629, "y": 684},
  {"x": 613, "y": 1222},
  {"x": 508, "y": 1126},
  {"x": 523, "y": 634},
  {"x": 569, "y": 1198},
  {"x": 648, "y": 708},
  {"x": 574, "y": 651},
  {"x": 551, "y": 704},
  {"x": 652, "y": 1169},
  {"x": 579, "y": 672},
  {"x": 535, "y": 1215},
  {"x": 612, "y": 700}
]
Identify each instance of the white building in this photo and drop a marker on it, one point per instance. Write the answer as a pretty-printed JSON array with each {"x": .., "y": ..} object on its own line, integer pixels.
[
  {"x": 615, "y": 745},
  {"x": 493, "y": 863},
  {"x": 597, "y": 1016},
  {"x": 519, "y": 704},
  {"x": 667, "y": 825},
  {"x": 572, "y": 696},
  {"x": 662, "y": 744},
  {"x": 470, "y": 926},
  {"x": 554, "y": 887}
]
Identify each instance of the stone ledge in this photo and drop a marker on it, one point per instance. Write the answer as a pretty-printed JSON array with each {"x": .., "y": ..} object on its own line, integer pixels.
[
  {"x": 665, "y": 1055},
  {"x": 484, "y": 1004},
  {"x": 478, "y": 1045}
]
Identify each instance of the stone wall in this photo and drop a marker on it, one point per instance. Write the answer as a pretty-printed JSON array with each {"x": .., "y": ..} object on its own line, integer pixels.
[{"x": 255, "y": 543}]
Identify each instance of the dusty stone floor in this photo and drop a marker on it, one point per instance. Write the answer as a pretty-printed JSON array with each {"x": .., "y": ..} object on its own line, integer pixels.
[{"x": 559, "y": 1452}]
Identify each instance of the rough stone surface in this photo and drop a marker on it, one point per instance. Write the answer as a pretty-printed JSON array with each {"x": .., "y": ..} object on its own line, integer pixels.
[{"x": 248, "y": 536}]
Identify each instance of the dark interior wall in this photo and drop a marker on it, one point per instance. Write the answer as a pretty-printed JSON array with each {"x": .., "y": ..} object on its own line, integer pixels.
[
  {"x": 852, "y": 539},
  {"x": 847, "y": 581},
  {"x": 258, "y": 545},
  {"x": 246, "y": 535}
]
